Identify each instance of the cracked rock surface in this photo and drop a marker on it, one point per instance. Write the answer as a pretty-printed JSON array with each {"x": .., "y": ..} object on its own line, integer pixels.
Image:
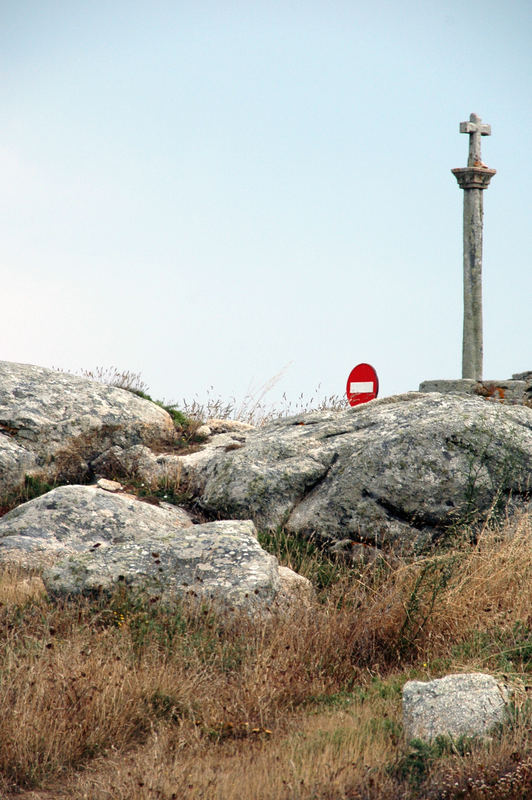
[
  {"x": 394, "y": 472},
  {"x": 88, "y": 540}
]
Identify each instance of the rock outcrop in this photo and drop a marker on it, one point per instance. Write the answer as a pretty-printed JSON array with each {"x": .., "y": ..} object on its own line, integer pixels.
[
  {"x": 56, "y": 424},
  {"x": 457, "y": 705},
  {"x": 90, "y": 540},
  {"x": 394, "y": 472}
]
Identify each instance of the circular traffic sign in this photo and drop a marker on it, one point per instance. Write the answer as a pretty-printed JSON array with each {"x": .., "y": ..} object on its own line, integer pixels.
[{"x": 362, "y": 384}]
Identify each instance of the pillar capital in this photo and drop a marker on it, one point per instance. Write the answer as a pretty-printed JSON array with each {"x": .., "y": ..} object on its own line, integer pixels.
[{"x": 473, "y": 177}]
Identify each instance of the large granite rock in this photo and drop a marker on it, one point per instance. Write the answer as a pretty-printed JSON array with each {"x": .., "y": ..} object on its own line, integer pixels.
[
  {"x": 396, "y": 471},
  {"x": 457, "y": 705},
  {"x": 56, "y": 423},
  {"x": 391, "y": 473},
  {"x": 91, "y": 540},
  {"x": 74, "y": 519}
]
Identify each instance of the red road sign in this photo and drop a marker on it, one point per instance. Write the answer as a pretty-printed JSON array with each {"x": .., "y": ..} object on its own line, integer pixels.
[{"x": 362, "y": 384}]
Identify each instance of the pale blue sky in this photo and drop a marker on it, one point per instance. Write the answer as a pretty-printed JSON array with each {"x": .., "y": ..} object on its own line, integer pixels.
[{"x": 208, "y": 192}]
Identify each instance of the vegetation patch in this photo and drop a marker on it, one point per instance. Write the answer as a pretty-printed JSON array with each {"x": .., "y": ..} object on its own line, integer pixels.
[
  {"x": 32, "y": 487},
  {"x": 120, "y": 697}
]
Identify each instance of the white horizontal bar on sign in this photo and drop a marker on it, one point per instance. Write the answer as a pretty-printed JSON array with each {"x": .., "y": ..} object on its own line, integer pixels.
[{"x": 363, "y": 387}]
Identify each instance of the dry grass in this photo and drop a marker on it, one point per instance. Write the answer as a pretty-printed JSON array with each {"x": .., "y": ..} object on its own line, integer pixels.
[
  {"x": 255, "y": 410},
  {"x": 112, "y": 376},
  {"x": 318, "y": 752},
  {"x": 119, "y": 700}
]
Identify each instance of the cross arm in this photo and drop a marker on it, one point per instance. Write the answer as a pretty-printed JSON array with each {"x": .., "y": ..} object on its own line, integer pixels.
[
  {"x": 472, "y": 127},
  {"x": 475, "y": 128}
]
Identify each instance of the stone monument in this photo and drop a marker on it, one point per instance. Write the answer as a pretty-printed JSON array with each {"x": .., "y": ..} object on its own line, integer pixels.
[{"x": 474, "y": 179}]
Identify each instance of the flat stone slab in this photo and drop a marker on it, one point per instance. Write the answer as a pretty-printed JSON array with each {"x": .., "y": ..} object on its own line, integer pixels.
[
  {"x": 508, "y": 391},
  {"x": 91, "y": 540},
  {"x": 456, "y": 705},
  {"x": 458, "y": 386},
  {"x": 219, "y": 561}
]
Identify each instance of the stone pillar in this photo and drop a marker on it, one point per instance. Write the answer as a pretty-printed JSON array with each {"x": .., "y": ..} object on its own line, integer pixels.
[{"x": 473, "y": 179}]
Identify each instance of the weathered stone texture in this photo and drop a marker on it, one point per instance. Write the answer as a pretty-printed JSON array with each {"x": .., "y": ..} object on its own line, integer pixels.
[
  {"x": 44, "y": 408},
  {"x": 295, "y": 590},
  {"x": 395, "y": 471},
  {"x": 15, "y": 463},
  {"x": 73, "y": 519},
  {"x": 457, "y": 705},
  {"x": 219, "y": 561},
  {"x": 59, "y": 422},
  {"x": 90, "y": 540}
]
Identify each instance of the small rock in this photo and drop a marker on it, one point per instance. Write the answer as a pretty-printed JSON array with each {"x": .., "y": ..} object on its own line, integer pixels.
[
  {"x": 228, "y": 426},
  {"x": 203, "y": 432},
  {"x": 109, "y": 486},
  {"x": 456, "y": 705},
  {"x": 136, "y": 463}
]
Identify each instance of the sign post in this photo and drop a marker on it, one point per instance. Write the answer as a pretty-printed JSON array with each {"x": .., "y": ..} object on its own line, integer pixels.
[{"x": 362, "y": 384}]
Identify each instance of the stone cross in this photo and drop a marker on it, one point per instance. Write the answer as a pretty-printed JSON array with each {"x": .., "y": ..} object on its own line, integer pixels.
[
  {"x": 475, "y": 129},
  {"x": 473, "y": 179}
]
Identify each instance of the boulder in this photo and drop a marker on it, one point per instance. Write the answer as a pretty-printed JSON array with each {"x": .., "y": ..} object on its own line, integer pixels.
[
  {"x": 56, "y": 423},
  {"x": 393, "y": 472},
  {"x": 90, "y": 540},
  {"x": 457, "y": 705},
  {"x": 75, "y": 519}
]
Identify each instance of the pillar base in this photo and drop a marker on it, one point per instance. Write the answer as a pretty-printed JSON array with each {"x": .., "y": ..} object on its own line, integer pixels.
[{"x": 510, "y": 391}]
